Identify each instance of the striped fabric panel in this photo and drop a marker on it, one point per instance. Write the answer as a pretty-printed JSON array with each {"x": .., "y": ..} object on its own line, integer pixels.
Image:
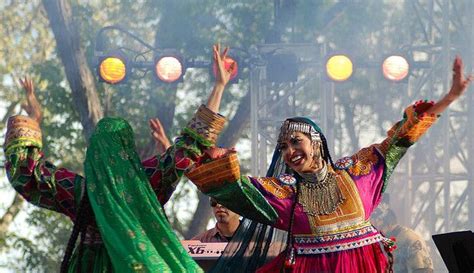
[{"x": 216, "y": 173}]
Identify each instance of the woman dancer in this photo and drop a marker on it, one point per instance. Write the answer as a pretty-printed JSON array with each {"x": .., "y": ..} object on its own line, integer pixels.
[
  {"x": 121, "y": 222},
  {"x": 324, "y": 206}
]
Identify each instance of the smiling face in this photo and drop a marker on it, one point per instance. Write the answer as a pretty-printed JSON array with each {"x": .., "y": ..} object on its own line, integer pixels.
[{"x": 298, "y": 153}]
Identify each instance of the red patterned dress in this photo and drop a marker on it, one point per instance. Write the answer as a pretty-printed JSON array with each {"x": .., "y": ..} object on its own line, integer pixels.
[{"x": 43, "y": 184}]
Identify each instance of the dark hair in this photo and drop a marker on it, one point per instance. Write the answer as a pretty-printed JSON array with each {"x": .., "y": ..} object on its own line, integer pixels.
[
  {"x": 326, "y": 155},
  {"x": 83, "y": 216},
  {"x": 289, "y": 238}
]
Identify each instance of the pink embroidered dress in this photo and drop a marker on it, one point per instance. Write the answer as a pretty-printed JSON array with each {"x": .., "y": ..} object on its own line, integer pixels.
[{"x": 342, "y": 241}]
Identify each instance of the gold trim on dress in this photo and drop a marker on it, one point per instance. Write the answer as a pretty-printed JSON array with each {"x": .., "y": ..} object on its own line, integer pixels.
[
  {"x": 216, "y": 173},
  {"x": 272, "y": 185}
]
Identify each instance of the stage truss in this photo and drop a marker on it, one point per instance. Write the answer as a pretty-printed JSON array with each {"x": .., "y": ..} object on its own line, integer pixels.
[{"x": 432, "y": 189}]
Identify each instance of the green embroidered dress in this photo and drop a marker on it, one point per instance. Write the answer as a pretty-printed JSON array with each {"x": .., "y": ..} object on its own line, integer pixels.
[{"x": 129, "y": 232}]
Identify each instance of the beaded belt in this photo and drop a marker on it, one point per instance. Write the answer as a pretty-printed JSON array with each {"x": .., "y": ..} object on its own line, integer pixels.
[{"x": 310, "y": 245}]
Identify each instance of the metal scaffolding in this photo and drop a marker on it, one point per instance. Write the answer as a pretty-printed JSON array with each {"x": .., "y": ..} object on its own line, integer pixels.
[
  {"x": 439, "y": 174},
  {"x": 432, "y": 189}
]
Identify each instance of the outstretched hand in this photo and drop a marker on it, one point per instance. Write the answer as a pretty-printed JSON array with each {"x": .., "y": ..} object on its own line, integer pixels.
[
  {"x": 460, "y": 82},
  {"x": 458, "y": 87},
  {"x": 32, "y": 106},
  {"x": 224, "y": 69},
  {"x": 225, "y": 66},
  {"x": 158, "y": 133}
]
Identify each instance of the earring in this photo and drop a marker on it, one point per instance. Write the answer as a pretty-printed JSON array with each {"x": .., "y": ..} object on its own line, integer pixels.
[{"x": 315, "y": 147}]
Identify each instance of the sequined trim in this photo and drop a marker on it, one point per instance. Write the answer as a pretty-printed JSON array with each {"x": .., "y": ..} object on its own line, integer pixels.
[{"x": 11, "y": 146}]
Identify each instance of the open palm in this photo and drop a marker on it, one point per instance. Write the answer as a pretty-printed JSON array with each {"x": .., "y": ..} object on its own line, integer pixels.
[{"x": 32, "y": 106}]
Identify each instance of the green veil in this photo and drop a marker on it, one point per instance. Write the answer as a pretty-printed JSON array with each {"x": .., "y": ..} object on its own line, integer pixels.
[{"x": 135, "y": 231}]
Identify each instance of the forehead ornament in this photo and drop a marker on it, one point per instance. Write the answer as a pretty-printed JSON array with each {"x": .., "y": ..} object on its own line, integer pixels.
[{"x": 288, "y": 129}]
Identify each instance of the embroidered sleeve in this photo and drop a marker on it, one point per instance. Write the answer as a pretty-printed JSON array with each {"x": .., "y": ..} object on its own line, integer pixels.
[
  {"x": 221, "y": 179},
  {"x": 216, "y": 173},
  {"x": 164, "y": 171},
  {"x": 205, "y": 126},
  {"x": 39, "y": 182},
  {"x": 414, "y": 124},
  {"x": 372, "y": 167},
  {"x": 224, "y": 171},
  {"x": 360, "y": 163},
  {"x": 399, "y": 138},
  {"x": 405, "y": 133}
]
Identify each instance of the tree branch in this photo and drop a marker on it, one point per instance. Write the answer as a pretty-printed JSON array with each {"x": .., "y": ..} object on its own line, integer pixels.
[
  {"x": 10, "y": 214},
  {"x": 72, "y": 55}
]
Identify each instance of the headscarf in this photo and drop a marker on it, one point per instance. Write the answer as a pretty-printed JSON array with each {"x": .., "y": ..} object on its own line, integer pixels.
[
  {"x": 136, "y": 234},
  {"x": 252, "y": 243}
]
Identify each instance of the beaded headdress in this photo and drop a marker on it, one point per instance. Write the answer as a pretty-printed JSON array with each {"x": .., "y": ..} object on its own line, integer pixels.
[{"x": 289, "y": 127}]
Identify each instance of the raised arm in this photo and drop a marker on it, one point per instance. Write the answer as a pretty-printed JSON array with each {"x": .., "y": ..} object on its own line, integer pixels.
[
  {"x": 166, "y": 169},
  {"x": 222, "y": 78},
  {"x": 458, "y": 87},
  {"x": 417, "y": 119},
  {"x": 32, "y": 106},
  {"x": 39, "y": 182},
  {"x": 372, "y": 167}
]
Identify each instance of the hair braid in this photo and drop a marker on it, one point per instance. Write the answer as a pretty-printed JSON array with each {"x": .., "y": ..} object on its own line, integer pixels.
[
  {"x": 86, "y": 216},
  {"x": 80, "y": 225},
  {"x": 327, "y": 155},
  {"x": 289, "y": 238}
]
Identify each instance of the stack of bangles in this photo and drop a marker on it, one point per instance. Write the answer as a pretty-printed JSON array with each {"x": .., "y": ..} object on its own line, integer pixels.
[{"x": 22, "y": 130}]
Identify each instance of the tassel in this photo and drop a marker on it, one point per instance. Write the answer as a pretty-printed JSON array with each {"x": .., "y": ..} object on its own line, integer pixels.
[{"x": 290, "y": 261}]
